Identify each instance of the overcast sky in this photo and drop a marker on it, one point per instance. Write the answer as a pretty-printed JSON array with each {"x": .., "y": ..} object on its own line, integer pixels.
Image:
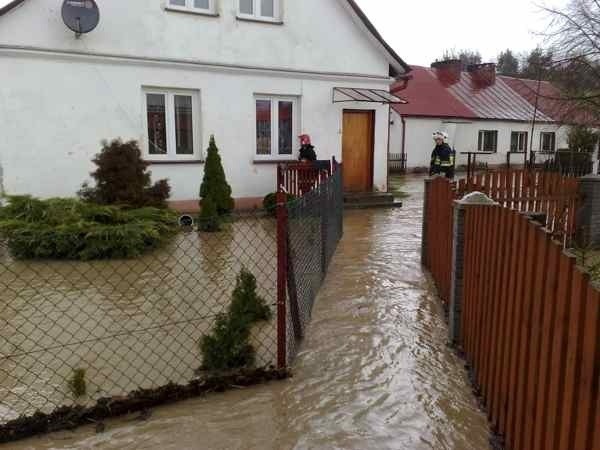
[{"x": 421, "y": 30}]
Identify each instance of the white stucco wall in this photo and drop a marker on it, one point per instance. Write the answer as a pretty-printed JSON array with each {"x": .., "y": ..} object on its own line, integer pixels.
[
  {"x": 56, "y": 107},
  {"x": 463, "y": 136}
]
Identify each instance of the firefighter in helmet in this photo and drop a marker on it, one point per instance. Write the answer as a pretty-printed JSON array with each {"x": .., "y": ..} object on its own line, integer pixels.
[{"x": 442, "y": 157}]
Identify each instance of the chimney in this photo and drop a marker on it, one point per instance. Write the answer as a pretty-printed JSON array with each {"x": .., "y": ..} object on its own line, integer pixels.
[
  {"x": 448, "y": 71},
  {"x": 483, "y": 75}
]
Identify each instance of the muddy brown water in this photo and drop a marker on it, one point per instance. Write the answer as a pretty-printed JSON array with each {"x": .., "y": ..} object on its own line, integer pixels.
[{"x": 374, "y": 371}]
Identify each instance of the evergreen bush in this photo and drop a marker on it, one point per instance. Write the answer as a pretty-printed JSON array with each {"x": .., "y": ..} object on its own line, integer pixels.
[
  {"x": 270, "y": 202},
  {"x": 214, "y": 183},
  {"x": 122, "y": 178},
  {"x": 209, "y": 220},
  {"x": 228, "y": 346},
  {"x": 74, "y": 230}
]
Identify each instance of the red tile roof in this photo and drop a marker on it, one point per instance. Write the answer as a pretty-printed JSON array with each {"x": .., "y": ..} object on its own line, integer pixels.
[{"x": 503, "y": 100}]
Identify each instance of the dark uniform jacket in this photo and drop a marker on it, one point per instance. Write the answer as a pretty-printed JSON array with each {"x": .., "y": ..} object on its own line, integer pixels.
[{"x": 442, "y": 161}]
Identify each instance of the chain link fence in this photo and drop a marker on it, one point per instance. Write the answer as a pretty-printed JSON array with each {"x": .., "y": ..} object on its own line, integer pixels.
[
  {"x": 124, "y": 325},
  {"x": 315, "y": 227},
  {"x": 84, "y": 340}
]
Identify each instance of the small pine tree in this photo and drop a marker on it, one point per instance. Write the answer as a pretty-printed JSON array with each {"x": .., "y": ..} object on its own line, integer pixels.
[
  {"x": 246, "y": 302},
  {"x": 209, "y": 220},
  {"x": 215, "y": 184},
  {"x": 228, "y": 346}
]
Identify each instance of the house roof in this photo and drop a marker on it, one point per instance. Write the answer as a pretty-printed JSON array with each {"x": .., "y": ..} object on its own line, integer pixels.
[
  {"x": 428, "y": 96},
  {"x": 6, "y": 8}
]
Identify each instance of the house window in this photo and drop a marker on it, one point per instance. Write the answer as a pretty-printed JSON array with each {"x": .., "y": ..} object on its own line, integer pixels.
[
  {"x": 488, "y": 141},
  {"x": 547, "y": 142},
  {"x": 267, "y": 10},
  {"x": 276, "y": 126},
  {"x": 518, "y": 141},
  {"x": 172, "y": 124},
  {"x": 200, "y": 6}
]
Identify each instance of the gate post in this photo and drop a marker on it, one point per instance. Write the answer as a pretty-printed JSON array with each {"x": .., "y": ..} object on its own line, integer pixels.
[
  {"x": 282, "y": 268},
  {"x": 588, "y": 220},
  {"x": 458, "y": 260}
]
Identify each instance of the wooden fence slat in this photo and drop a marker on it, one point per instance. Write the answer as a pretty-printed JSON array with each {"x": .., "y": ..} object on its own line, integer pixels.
[
  {"x": 588, "y": 414},
  {"x": 489, "y": 299},
  {"x": 484, "y": 261},
  {"x": 532, "y": 244},
  {"x": 501, "y": 323},
  {"x": 517, "y": 340},
  {"x": 549, "y": 306},
  {"x": 496, "y": 288},
  {"x": 573, "y": 358},
  {"x": 510, "y": 314},
  {"x": 543, "y": 267},
  {"x": 557, "y": 362}
]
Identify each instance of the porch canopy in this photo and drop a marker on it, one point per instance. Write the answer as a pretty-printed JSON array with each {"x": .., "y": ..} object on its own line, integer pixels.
[{"x": 344, "y": 94}]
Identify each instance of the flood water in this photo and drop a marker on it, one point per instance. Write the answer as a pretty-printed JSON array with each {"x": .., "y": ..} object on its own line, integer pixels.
[{"x": 374, "y": 371}]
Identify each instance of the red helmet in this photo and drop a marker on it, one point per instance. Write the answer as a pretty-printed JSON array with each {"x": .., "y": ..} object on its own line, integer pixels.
[{"x": 304, "y": 139}]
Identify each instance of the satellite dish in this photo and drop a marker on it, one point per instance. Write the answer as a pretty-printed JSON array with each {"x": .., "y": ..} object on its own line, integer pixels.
[{"x": 80, "y": 16}]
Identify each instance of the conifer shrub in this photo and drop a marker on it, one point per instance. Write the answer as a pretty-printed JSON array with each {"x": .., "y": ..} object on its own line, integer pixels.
[
  {"x": 209, "y": 220},
  {"x": 71, "y": 229},
  {"x": 214, "y": 183},
  {"x": 270, "y": 202},
  {"x": 228, "y": 346},
  {"x": 122, "y": 178}
]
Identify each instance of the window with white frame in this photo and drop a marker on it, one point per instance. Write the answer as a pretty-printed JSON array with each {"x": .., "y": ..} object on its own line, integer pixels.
[
  {"x": 201, "y": 6},
  {"x": 547, "y": 142},
  {"x": 172, "y": 124},
  {"x": 276, "y": 125},
  {"x": 488, "y": 141},
  {"x": 268, "y": 10},
  {"x": 518, "y": 141}
]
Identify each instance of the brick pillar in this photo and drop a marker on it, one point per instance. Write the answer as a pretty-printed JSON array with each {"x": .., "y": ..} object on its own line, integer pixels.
[
  {"x": 424, "y": 228},
  {"x": 588, "y": 217},
  {"x": 472, "y": 200}
]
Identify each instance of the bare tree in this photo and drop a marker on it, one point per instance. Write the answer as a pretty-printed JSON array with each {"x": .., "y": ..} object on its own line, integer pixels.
[{"x": 573, "y": 38}]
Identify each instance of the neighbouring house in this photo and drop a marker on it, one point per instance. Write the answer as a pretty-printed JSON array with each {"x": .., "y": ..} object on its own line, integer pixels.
[
  {"x": 480, "y": 111},
  {"x": 170, "y": 73}
]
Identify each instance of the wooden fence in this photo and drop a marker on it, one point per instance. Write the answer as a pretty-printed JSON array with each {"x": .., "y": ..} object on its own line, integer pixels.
[
  {"x": 530, "y": 319},
  {"x": 555, "y": 196},
  {"x": 302, "y": 177},
  {"x": 437, "y": 233},
  {"x": 530, "y": 330}
]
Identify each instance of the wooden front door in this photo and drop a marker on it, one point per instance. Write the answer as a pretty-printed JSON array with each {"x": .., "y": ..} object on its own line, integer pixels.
[{"x": 357, "y": 150}]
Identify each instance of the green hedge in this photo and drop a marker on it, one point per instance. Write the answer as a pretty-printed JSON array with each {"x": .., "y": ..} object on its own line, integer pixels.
[{"x": 75, "y": 230}]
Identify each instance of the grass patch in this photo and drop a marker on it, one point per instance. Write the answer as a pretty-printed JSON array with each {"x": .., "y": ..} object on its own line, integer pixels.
[{"x": 70, "y": 229}]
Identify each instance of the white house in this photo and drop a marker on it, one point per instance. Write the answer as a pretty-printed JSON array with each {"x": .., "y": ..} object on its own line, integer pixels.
[
  {"x": 480, "y": 111},
  {"x": 170, "y": 73}
]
